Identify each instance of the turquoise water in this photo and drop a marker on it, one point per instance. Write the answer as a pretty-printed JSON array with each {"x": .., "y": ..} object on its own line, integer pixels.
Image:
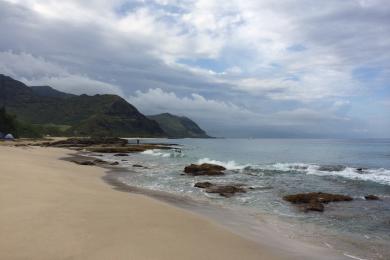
[{"x": 277, "y": 167}]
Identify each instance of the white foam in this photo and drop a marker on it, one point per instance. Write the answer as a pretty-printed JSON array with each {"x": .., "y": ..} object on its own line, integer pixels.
[
  {"x": 380, "y": 175},
  {"x": 229, "y": 165},
  {"x": 160, "y": 153},
  {"x": 376, "y": 175}
]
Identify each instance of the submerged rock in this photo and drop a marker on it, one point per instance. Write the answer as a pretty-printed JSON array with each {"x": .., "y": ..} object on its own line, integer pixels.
[
  {"x": 331, "y": 168},
  {"x": 203, "y": 185},
  {"x": 371, "y": 197},
  {"x": 114, "y": 163},
  {"x": 223, "y": 190},
  {"x": 84, "y": 162},
  {"x": 138, "y": 166},
  {"x": 314, "y": 205},
  {"x": 314, "y": 200},
  {"x": 204, "y": 169},
  {"x": 120, "y": 154},
  {"x": 319, "y": 196}
]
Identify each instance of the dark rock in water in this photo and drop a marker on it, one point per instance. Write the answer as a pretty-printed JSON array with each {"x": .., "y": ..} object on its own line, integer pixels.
[
  {"x": 331, "y": 168},
  {"x": 114, "y": 163},
  {"x": 225, "y": 190},
  {"x": 99, "y": 161},
  {"x": 314, "y": 205},
  {"x": 203, "y": 185},
  {"x": 371, "y": 197},
  {"x": 204, "y": 169},
  {"x": 314, "y": 200},
  {"x": 120, "y": 154},
  {"x": 137, "y": 166},
  {"x": 124, "y": 160},
  {"x": 319, "y": 196},
  {"x": 84, "y": 162}
]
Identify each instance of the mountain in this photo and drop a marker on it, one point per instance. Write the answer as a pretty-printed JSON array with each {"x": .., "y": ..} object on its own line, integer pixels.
[
  {"x": 179, "y": 126},
  {"x": 47, "y": 91},
  {"x": 108, "y": 115}
]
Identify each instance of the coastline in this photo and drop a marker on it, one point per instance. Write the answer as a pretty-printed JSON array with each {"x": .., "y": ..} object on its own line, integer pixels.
[{"x": 53, "y": 207}]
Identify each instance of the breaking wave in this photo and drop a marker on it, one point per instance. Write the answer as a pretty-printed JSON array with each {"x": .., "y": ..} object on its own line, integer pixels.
[{"x": 379, "y": 175}]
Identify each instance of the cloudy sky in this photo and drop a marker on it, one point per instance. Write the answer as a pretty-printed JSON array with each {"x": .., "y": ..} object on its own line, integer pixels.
[{"x": 253, "y": 68}]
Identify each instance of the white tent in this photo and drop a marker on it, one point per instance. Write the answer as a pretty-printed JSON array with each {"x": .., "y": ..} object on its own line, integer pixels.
[{"x": 9, "y": 137}]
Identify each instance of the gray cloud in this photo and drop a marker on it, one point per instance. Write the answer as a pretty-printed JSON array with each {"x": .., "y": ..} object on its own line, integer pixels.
[{"x": 240, "y": 58}]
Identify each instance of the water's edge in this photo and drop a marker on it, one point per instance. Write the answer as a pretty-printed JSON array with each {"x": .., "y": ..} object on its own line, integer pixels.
[{"x": 268, "y": 231}]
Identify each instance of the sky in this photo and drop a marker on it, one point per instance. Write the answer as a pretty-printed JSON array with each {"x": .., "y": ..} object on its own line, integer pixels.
[{"x": 253, "y": 68}]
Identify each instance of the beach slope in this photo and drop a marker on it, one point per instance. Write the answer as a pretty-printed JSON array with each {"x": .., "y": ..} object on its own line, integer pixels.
[{"x": 54, "y": 209}]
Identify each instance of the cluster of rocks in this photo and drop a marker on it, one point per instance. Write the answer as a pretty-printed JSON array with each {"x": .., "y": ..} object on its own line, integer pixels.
[
  {"x": 86, "y": 142},
  {"x": 314, "y": 201},
  {"x": 205, "y": 169},
  {"x": 104, "y": 145},
  {"x": 94, "y": 162},
  {"x": 223, "y": 190}
]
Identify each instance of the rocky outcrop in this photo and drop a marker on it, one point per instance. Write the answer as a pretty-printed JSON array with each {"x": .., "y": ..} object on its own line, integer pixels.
[
  {"x": 314, "y": 201},
  {"x": 90, "y": 163},
  {"x": 371, "y": 197},
  {"x": 86, "y": 142},
  {"x": 120, "y": 154},
  {"x": 94, "y": 162},
  {"x": 204, "y": 169},
  {"x": 223, "y": 190},
  {"x": 203, "y": 185}
]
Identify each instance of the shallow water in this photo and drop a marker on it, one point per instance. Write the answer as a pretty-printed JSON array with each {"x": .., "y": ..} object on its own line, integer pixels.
[{"x": 276, "y": 167}]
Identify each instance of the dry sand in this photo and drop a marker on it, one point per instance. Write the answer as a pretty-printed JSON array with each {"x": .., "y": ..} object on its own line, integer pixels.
[{"x": 53, "y": 209}]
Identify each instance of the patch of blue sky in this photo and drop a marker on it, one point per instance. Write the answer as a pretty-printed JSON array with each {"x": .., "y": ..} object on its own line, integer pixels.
[
  {"x": 130, "y": 6},
  {"x": 366, "y": 74},
  {"x": 296, "y": 48}
]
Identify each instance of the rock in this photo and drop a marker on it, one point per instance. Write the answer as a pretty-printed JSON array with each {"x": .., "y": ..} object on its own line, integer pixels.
[
  {"x": 84, "y": 142},
  {"x": 225, "y": 190},
  {"x": 84, "y": 162},
  {"x": 204, "y": 169},
  {"x": 203, "y": 185},
  {"x": 314, "y": 201},
  {"x": 321, "y": 197},
  {"x": 371, "y": 197},
  {"x": 314, "y": 205},
  {"x": 114, "y": 163},
  {"x": 332, "y": 168},
  {"x": 99, "y": 161},
  {"x": 120, "y": 154},
  {"x": 137, "y": 166}
]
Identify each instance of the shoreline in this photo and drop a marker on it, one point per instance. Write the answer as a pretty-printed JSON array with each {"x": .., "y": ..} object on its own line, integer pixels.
[{"x": 52, "y": 207}]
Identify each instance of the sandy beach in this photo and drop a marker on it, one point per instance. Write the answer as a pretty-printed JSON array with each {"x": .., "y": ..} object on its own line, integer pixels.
[{"x": 53, "y": 209}]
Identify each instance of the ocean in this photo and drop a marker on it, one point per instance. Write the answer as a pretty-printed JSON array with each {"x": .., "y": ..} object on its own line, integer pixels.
[{"x": 272, "y": 168}]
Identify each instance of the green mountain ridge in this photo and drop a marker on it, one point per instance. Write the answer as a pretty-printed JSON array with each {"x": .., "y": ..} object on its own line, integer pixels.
[
  {"x": 57, "y": 113},
  {"x": 179, "y": 126}
]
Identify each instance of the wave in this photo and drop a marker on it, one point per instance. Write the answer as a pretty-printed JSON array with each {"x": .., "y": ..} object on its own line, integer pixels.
[
  {"x": 160, "y": 153},
  {"x": 379, "y": 175},
  {"x": 229, "y": 165}
]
